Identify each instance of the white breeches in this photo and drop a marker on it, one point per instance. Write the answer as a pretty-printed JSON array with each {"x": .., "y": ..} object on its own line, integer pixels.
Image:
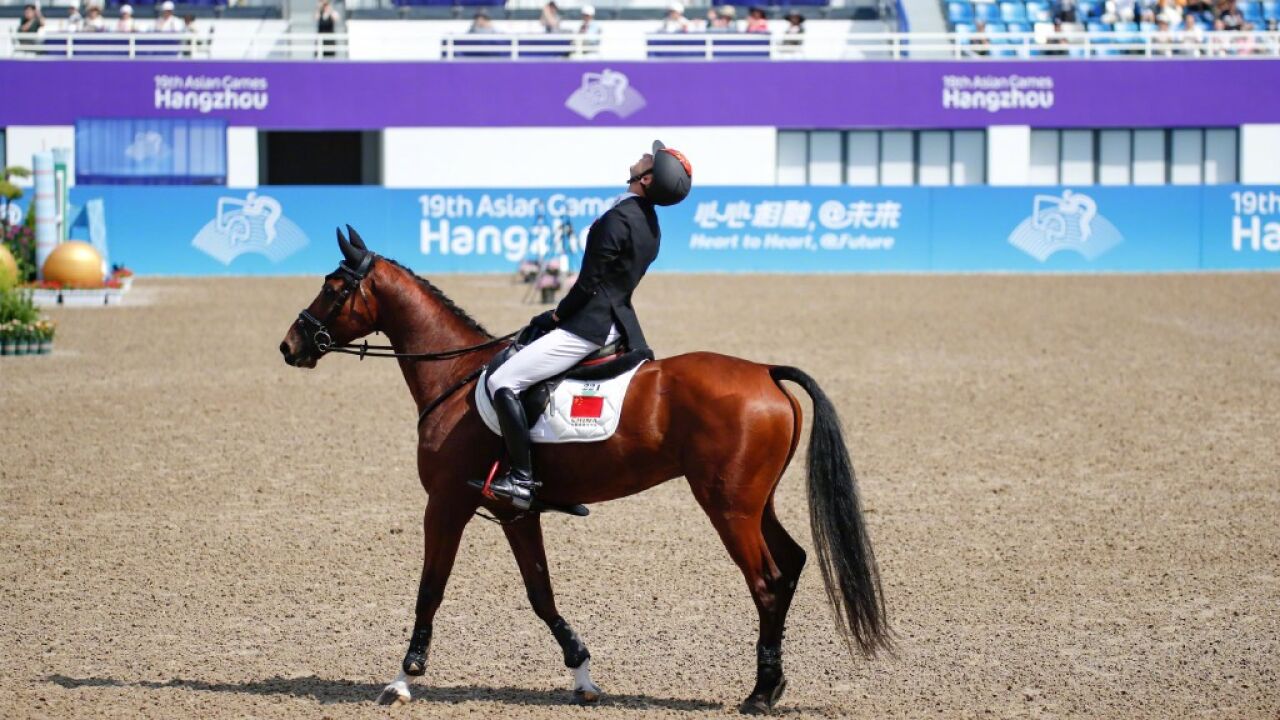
[{"x": 549, "y": 355}]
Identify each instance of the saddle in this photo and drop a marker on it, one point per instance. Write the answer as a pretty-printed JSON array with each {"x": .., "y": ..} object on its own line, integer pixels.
[{"x": 608, "y": 362}]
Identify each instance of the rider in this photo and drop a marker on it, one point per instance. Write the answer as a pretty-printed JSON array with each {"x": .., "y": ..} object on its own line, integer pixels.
[{"x": 596, "y": 311}]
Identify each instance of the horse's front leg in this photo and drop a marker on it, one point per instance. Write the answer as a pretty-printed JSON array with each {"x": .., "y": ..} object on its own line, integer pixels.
[
  {"x": 442, "y": 526},
  {"x": 525, "y": 537}
]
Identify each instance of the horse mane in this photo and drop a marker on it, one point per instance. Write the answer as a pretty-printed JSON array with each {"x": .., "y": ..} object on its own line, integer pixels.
[{"x": 439, "y": 295}]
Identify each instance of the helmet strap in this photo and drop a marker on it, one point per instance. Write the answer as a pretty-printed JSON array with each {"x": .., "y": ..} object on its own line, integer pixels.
[{"x": 634, "y": 178}]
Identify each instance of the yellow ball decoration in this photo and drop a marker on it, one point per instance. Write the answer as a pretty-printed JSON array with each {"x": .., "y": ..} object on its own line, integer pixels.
[
  {"x": 74, "y": 264},
  {"x": 8, "y": 269}
]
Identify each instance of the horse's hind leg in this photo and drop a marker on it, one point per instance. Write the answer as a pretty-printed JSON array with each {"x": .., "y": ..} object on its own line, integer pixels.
[
  {"x": 525, "y": 537},
  {"x": 741, "y": 514}
]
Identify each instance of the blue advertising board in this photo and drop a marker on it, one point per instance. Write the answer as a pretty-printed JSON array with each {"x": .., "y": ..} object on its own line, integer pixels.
[{"x": 290, "y": 230}]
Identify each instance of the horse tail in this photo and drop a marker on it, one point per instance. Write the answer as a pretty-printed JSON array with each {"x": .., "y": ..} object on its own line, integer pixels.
[{"x": 840, "y": 537}]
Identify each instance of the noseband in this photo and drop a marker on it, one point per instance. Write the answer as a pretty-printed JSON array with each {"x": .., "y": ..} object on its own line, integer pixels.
[{"x": 315, "y": 332}]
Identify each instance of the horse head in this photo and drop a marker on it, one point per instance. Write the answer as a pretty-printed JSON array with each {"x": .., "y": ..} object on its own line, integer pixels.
[{"x": 345, "y": 310}]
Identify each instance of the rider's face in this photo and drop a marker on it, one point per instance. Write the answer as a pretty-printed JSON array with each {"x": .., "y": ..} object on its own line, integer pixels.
[{"x": 643, "y": 165}]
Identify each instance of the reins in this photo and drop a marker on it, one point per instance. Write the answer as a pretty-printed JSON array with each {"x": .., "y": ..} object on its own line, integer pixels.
[
  {"x": 365, "y": 350},
  {"x": 386, "y": 351}
]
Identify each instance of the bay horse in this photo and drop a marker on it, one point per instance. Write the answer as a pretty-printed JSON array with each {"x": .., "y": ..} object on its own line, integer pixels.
[{"x": 726, "y": 424}]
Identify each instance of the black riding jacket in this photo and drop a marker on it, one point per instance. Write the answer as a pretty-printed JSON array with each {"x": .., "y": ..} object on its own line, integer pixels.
[{"x": 621, "y": 245}]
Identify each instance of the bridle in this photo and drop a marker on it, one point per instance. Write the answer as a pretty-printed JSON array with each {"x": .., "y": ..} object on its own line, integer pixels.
[
  {"x": 318, "y": 340},
  {"x": 315, "y": 332}
]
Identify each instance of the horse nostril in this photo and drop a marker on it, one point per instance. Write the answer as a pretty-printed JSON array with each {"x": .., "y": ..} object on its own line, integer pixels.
[{"x": 284, "y": 349}]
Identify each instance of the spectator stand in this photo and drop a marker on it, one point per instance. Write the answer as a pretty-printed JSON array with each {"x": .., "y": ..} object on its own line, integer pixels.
[{"x": 1025, "y": 28}]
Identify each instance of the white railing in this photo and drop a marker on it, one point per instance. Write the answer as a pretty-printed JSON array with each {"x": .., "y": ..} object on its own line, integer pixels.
[{"x": 728, "y": 47}]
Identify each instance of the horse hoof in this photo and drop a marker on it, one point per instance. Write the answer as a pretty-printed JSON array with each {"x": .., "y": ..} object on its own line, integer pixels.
[
  {"x": 587, "y": 695},
  {"x": 391, "y": 695},
  {"x": 763, "y": 705}
]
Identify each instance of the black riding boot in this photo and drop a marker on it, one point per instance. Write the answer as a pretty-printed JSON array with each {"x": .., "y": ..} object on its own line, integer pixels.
[{"x": 517, "y": 484}]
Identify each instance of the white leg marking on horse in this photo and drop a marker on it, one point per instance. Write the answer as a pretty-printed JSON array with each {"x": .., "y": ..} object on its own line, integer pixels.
[
  {"x": 583, "y": 689},
  {"x": 397, "y": 691}
]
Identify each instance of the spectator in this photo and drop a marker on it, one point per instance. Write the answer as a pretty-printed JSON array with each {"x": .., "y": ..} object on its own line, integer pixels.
[
  {"x": 32, "y": 20},
  {"x": 979, "y": 44},
  {"x": 74, "y": 21},
  {"x": 93, "y": 20},
  {"x": 1065, "y": 11},
  {"x": 757, "y": 21},
  {"x": 550, "y": 19},
  {"x": 1191, "y": 36},
  {"x": 1057, "y": 39},
  {"x": 192, "y": 35},
  {"x": 1162, "y": 41},
  {"x": 793, "y": 39},
  {"x": 327, "y": 20},
  {"x": 32, "y": 23},
  {"x": 481, "y": 24},
  {"x": 675, "y": 21},
  {"x": 589, "y": 25},
  {"x": 126, "y": 23},
  {"x": 1229, "y": 15},
  {"x": 167, "y": 22},
  {"x": 729, "y": 16},
  {"x": 1169, "y": 12},
  {"x": 1110, "y": 13}
]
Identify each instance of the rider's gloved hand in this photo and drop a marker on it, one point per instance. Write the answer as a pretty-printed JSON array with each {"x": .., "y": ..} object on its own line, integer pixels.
[{"x": 544, "y": 322}]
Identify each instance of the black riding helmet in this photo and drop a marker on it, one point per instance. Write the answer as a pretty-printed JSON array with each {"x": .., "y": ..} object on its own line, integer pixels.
[{"x": 672, "y": 176}]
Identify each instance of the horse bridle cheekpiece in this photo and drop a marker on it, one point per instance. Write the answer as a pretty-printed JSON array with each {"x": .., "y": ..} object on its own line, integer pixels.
[{"x": 315, "y": 332}]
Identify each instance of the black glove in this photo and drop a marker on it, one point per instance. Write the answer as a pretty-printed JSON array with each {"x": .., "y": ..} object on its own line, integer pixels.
[{"x": 544, "y": 322}]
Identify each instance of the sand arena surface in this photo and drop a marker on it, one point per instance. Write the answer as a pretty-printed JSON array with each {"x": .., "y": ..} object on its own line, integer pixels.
[{"x": 1073, "y": 486}]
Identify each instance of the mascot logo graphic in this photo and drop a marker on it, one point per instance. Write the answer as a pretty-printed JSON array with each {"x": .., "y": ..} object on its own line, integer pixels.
[
  {"x": 605, "y": 91},
  {"x": 255, "y": 224},
  {"x": 1070, "y": 222}
]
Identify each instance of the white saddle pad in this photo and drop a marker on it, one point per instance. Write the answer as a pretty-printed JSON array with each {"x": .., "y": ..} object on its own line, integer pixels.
[{"x": 579, "y": 410}]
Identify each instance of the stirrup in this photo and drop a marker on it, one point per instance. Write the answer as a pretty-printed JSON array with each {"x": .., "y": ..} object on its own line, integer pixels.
[{"x": 535, "y": 505}]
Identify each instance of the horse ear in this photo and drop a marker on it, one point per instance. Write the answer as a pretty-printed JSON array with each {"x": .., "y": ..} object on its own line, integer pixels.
[
  {"x": 355, "y": 238},
  {"x": 352, "y": 254}
]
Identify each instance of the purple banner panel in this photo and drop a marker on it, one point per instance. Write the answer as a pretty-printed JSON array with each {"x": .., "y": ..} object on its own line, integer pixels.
[{"x": 908, "y": 94}]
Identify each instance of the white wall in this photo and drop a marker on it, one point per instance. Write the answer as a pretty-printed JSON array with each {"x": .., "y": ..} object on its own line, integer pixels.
[
  {"x": 1008, "y": 154},
  {"x": 242, "y": 157},
  {"x": 1259, "y": 154},
  {"x": 569, "y": 157},
  {"x": 619, "y": 39},
  {"x": 23, "y": 141}
]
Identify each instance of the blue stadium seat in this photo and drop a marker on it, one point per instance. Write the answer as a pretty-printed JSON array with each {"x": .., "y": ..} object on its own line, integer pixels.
[
  {"x": 1148, "y": 27},
  {"x": 1126, "y": 27},
  {"x": 1038, "y": 11},
  {"x": 959, "y": 12},
  {"x": 1271, "y": 9},
  {"x": 1252, "y": 12},
  {"x": 1018, "y": 27},
  {"x": 1096, "y": 27},
  {"x": 963, "y": 27},
  {"x": 994, "y": 29},
  {"x": 1086, "y": 9},
  {"x": 1013, "y": 12},
  {"x": 987, "y": 12}
]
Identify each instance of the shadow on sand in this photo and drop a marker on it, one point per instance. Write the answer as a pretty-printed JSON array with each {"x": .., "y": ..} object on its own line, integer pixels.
[{"x": 344, "y": 691}]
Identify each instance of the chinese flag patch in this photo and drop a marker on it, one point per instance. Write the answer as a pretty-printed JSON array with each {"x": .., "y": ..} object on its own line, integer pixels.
[{"x": 585, "y": 406}]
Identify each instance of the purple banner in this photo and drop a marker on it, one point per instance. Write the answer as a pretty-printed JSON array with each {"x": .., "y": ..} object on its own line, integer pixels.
[{"x": 906, "y": 94}]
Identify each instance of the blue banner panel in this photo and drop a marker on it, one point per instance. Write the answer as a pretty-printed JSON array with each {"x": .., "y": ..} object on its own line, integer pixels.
[
  {"x": 290, "y": 230},
  {"x": 1240, "y": 227},
  {"x": 1066, "y": 230}
]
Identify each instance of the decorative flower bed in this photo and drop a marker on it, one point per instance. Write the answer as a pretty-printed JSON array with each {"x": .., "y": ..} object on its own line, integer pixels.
[
  {"x": 46, "y": 294},
  {"x": 22, "y": 330}
]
